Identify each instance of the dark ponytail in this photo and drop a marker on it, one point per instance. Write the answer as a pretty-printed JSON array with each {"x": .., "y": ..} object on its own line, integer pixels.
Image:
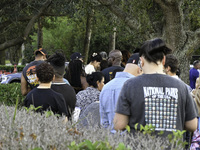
[
  {"x": 93, "y": 78},
  {"x": 154, "y": 50},
  {"x": 95, "y": 56}
]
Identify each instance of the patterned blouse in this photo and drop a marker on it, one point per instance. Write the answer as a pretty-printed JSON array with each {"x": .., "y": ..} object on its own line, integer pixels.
[{"x": 86, "y": 97}]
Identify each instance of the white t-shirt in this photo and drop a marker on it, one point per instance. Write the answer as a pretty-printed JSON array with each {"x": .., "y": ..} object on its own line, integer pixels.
[{"x": 89, "y": 69}]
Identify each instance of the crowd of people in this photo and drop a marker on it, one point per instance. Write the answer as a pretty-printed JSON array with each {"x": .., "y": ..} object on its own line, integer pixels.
[{"x": 140, "y": 88}]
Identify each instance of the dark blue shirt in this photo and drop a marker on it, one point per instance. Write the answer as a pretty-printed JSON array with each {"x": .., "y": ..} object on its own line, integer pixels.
[
  {"x": 194, "y": 74},
  {"x": 108, "y": 72}
]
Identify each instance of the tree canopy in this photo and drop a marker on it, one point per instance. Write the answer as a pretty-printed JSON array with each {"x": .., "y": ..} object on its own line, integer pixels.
[{"x": 176, "y": 21}]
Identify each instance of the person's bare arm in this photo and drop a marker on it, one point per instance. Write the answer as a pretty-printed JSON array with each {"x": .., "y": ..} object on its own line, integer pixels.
[
  {"x": 120, "y": 121},
  {"x": 191, "y": 125},
  {"x": 84, "y": 82},
  {"x": 24, "y": 86}
]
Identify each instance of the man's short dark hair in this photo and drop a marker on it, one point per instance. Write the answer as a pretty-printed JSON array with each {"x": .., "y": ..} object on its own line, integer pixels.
[
  {"x": 195, "y": 62},
  {"x": 45, "y": 72},
  {"x": 57, "y": 60},
  {"x": 172, "y": 62}
]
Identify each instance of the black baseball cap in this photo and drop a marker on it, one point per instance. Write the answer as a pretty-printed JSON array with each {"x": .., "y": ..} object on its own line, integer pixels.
[
  {"x": 134, "y": 59},
  {"x": 76, "y": 55},
  {"x": 41, "y": 50}
]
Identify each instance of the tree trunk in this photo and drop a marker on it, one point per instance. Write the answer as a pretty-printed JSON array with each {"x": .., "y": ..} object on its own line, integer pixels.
[
  {"x": 174, "y": 34},
  {"x": 14, "y": 54},
  {"x": 88, "y": 35},
  {"x": 2, "y": 57},
  {"x": 178, "y": 39},
  {"x": 40, "y": 33},
  {"x": 112, "y": 39},
  {"x": 22, "y": 50}
]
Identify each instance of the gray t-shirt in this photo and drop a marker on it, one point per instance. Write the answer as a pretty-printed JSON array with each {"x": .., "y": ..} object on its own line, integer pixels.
[{"x": 156, "y": 99}]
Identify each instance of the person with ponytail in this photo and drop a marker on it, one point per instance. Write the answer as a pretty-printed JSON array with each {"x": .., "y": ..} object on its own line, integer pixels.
[
  {"x": 94, "y": 64},
  {"x": 91, "y": 93},
  {"x": 154, "y": 97}
]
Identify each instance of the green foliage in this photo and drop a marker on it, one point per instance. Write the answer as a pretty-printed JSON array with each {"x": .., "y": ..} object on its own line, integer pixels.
[
  {"x": 32, "y": 108},
  {"x": 193, "y": 12},
  {"x": 121, "y": 146},
  {"x": 66, "y": 34},
  {"x": 16, "y": 105},
  {"x": 147, "y": 129},
  {"x": 10, "y": 94},
  {"x": 128, "y": 128},
  {"x": 176, "y": 138},
  {"x": 49, "y": 113},
  {"x": 11, "y": 68},
  {"x": 28, "y": 53},
  {"x": 98, "y": 145},
  {"x": 37, "y": 148}
]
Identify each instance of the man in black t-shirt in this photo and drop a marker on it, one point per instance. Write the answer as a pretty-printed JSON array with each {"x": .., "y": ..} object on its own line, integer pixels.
[
  {"x": 43, "y": 95},
  {"x": 57, "y": 60},
  {"x": 28, "y": 77}
]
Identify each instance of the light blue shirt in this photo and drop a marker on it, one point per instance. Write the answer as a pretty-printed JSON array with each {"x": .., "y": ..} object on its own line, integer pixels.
[
  {"x": 66, "y": 81},
  {"x": 109, "y": 97}
]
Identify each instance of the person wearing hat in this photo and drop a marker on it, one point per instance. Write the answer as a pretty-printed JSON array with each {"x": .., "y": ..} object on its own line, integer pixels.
[
  {"x": 76, "y": 56},
  {"x": 154, "y": 97},
  {"x": 110, "y": 92},
  {"x": 28, "y": 77}
]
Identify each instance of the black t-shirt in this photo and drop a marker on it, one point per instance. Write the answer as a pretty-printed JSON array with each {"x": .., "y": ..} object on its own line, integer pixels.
[
  {"x": 29, "y": 73},
  {"x": 48, "y": 99},
  {"x": 68, "y": 93},
  {"x": 108, "y": 72}
]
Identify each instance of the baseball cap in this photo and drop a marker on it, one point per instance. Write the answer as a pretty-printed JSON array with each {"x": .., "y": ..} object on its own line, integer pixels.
[
  {"x": 40, "y": 50},
  {"x": 134, "y": 58},
  {"x": 76, "y": 55}
]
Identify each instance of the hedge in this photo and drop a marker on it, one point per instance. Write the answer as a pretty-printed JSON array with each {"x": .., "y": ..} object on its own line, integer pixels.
[
  {"x": 9, "y": 93},
  {"x": 28, "y": 130},
  {"x": 11, "y": 68},
  {"x": 22, "y": 128}
]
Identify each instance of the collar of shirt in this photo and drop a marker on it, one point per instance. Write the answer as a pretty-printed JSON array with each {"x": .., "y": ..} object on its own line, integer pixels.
[{"x": 123, "y": 75}]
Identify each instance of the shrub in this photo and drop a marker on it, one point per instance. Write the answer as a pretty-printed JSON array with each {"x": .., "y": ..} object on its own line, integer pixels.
[
  {"x": 9, "y": 94},
  {"x": 30, "y": 130},
  {"x": 11, "y": 68}
]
